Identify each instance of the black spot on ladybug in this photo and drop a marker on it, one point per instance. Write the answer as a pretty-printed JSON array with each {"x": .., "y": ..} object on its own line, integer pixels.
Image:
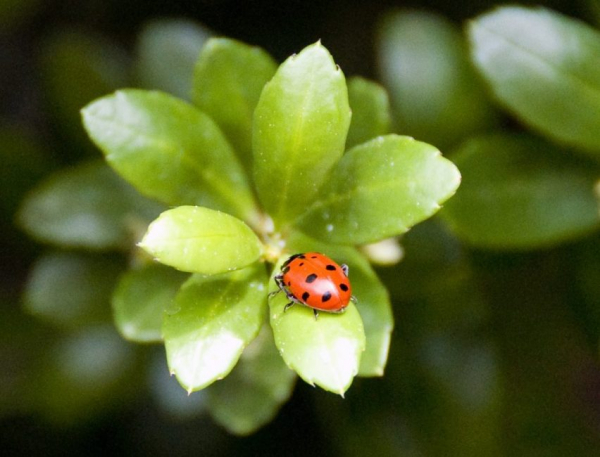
[
  {"x": 289, "y": 283},
  {"x": 314, "y": 257},
  {"x": 305, "y": 296},
  {"x": 311, "y": 277},
  {"x": 301, "y": 263},
  {"x": 330, "y": 267},
  {"x": 326, "y": 296},
  {"x": 344, "y": 287}
]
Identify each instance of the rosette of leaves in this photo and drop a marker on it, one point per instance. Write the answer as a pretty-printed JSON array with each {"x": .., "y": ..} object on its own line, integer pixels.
[{"x": 255, "y": 170}]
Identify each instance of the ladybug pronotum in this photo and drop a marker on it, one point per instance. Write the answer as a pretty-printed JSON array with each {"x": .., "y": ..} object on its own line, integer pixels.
[{"x": 314, "y": 280}]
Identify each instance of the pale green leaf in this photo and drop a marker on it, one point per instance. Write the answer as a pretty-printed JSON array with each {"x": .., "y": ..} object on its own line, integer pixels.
[
  {"x": 380, "y": 189},
  {"x": 140, "y": 300},
  {"x": 299, "y": 133},
  {"x": 201, "y": 240},
  {"x": 228, "y": 80},
  {"x": 169, "y": 150},
  {"x": 214, "y": 320},
  {"x": 543, "y": 67},
  {"x": 252, "y": 394}
]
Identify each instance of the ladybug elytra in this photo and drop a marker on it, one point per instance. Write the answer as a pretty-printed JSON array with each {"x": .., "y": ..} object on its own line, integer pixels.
[{"x": 314, "y": 280}]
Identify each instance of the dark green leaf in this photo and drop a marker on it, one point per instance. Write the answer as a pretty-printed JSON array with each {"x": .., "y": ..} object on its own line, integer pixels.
[
  {"x": 543, "y": 67},
  {"x": 519, "y": 193},
  {"x": 436, "y": 96},
  {"x": 228, "y": 80},
  {"x": 167, "y": 50},
  {"x": 300, "y": 128},
  {"x": 169, "y": 150},
  {"x": 370, "y": 111},
  {"x": 252, "y": 394},
  {"x": 71, "y": 290},
  {"x": 214, "y": 320},
  {"x": 380, "y": 189},
  {"x": 140, "y": 300},
  {"x": 87, "y": 206},
  {"x": 201, "y": 240}
]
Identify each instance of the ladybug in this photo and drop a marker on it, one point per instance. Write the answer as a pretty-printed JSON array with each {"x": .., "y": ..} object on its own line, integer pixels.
[{"x": 316, "y": 281}]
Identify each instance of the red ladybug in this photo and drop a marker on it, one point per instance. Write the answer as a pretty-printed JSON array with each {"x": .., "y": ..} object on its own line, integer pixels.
[{"x": 316, "y": 281}]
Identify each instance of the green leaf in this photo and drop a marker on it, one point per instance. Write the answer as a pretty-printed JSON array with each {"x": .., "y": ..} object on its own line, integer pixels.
[
  {"x": 71, "y": 290},
  {"x": 325, "y": 351},
  {"x": 372, "y": 298},
  {"x": 169, "y": 150},
  {"x": 140, "y": 299},
  {"x": 87, "y": 206},
  {"x": 201, "y": 240},
  {"x": 215, "y": 319},
  {"x": 228, "y": 80},
  {"x": 78, "y": 66},
  {"x": 519, "y": 193},
  {"x": 380, "y": 189},
  {"x": 370, "y": 111},
  {"x": 167, "y": 50},
  {"x": 299, "y": 133},
  {"x": 543, "y": 67},
  {"x": 424, "y": 63},
  {"x": 252, "y": 394}
]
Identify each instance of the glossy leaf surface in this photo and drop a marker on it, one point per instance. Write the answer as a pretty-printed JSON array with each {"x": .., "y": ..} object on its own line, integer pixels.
[
  {"x": 201, "y": 240},
  {"x": 213, "y": 320},
  {"x": 228, "y": 80},
  {"x": 380, "y": 189},
  {"x": 168, "y": 150},
  {"x": 300, "y": 128}
]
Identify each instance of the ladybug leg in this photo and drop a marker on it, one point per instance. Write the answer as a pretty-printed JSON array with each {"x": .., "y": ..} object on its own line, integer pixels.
[
  {"x": 354, "y": 299},
  {"x": 316, "y": 313},
  {"x": 279, "y": 281},
  {"x": 345, "y": 269},
  {"x": 289, "y": 305}
]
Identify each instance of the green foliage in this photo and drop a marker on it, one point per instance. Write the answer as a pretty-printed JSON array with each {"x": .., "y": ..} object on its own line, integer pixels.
[
  {"x": 201, "y": 240},
  {"x": 436, "y": 95},
  {"x": 140, "y": 299},
  {"x": 379, "y": 189},
  {"x": 235, "y": 72},
  {"x": 300, "y": 128},
  {"x": 167, "y": 50},
  {"x": 371, "y": 115},
  {"x": 213, "y": 319},
  {"x": 287, "y": 128},
  {"x": 519, "y": 192},
  {"x": 543, "y": 67},
  {"x": 168, "y": 150},
  {"x": 87, "y": 206}
]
